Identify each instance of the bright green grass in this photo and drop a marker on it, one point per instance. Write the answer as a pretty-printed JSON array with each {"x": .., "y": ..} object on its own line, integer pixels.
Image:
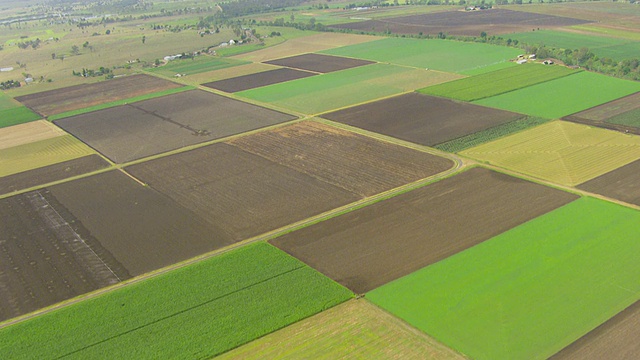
[
  {"x": 197, "y": 311},
  {"x": 338, "y": 89},
  {"x": 570, "y": 94},
  {"x": 529, "y": 292},
  {"x": 17, "y": 115},
  {"x": 119, "y": 102},
  {"x": 630, "y": 118},
  {"x": 196, "y": 65},
  {"x": 497, "y": 82},
  {"x": 620, "y": 52},
  {"x": 489, "y": 68},
  {"x": 490, "y": 134},
  {"x": 444, "y": 55}
]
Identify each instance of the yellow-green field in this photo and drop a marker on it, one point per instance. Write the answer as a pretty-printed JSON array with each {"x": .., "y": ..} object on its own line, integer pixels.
[
  {"x": 355, "y": 330},
  {"x": 226, "y": 73},
  {"x": 561, "y": 152},
  {"x": 41, "y": 153}
]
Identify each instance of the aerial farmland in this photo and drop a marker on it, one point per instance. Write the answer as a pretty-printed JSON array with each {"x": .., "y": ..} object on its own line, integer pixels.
[{"x": 293, "y": 179}]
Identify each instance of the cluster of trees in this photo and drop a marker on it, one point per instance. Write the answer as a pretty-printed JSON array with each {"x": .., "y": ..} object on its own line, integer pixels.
[
  {"x": 312, "y": 24},
  {"x": 9, "y": 84},
  {"x": 93, "y": 73},
  {"x": 29, "y": 43}
]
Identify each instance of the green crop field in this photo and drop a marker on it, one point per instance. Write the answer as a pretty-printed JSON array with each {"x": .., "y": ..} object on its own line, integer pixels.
[
  {"x": 529, "y": 292},
  {"x": 563, "y": 152},
  {"x": 497, "y": 82},
  {"x": 564, "y": 96},
  {"x": 195, "y": 65},
  {"x": 490, "y": 134},
  {"x": 14, "y": 113},
  {"x": 630, "y": 118},
  {"x": 608, "y": 31},
  {"x": 197, "y": 311},
  {"x": 338, "y": 89},
  {"x": 443, "y": 55},
  {"x": 41, "y": 153}
]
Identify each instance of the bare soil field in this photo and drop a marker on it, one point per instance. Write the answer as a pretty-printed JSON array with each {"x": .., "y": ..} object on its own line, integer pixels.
[
  {"x": 353, "y": 162},
  {"x": 615, "y": 339},
  {"x": 47, "y": 255},
  {"x": 598, "y": 116},
  {"x": 82, "y": 96},
  {"x": 27, "y": 133},
  {"x": 152, "y": 230},
  {"x": 239, "y": 193},
  {"x": 422, "y": 119},
  {"x": 50, "y": 173},
  {"x": 464, "y": 23},
  {"x": 319, "y": 62},
  {"x": 150, "y": 127},
  {"x": 379, "y": 243},
  {"x": 621, "y": 184},
  {"x": 256, "y": 80}
]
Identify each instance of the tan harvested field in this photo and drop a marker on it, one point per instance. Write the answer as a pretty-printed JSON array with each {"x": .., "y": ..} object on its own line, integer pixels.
[
  {"x": 356, "y": 329},
  {"x": 319, "y": 62},
  {"x": 240, "y": 194},
  {"x": 264, "y": 78},
  {"x": 307, "y": 44},
  {"x": 354, "y": 162},
  {"x": 374, "y": 245},
  {"x": 616, "y": 339},
  {"x": 622, "y": 184},
  {"x": 51, "y": 173},
  {"x": 27, "y": 133},
  {"x": 82, "y": 96},
  {"x": 226, "y": 73},
  {"x": 422, "y": 119}
]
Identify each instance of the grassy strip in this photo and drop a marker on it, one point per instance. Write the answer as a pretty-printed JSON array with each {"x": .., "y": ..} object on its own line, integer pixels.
[
  {"x": 17, "y": 115},
  {"x": 497, "y": 82},
  {"x": 527, "y": 293},
  {"x": 630, "y": 118},
  {"x": 197, "y": 311},
  {"x": 496, "y": 132},
  {"x": 119, "y": 102},
  {"x": 196, "y": 65}
]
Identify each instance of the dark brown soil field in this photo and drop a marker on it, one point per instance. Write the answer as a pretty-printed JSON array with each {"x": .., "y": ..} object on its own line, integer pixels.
[
  {"x": 256, "y": 80},
  {"x": 240, "y": 193},
  {"x": 422, "y": 119},
  {"x": 143, "y": 229},
  {"x": 150, "y": 127},
  {"x": 621, "y": 184},
  {"x": 51, "y": 173},
  {"x": 376, "y": 244},
  {"x": 354, "y": 162},
  {"x": 319, "y": 63},
  {"x": 598, "y": 116},
  {"x": 616, "y": 339},
  {"x": 82, "y": 96},
  {"x": 42, "y": 260},
  {"x": 464, "y": 23}
]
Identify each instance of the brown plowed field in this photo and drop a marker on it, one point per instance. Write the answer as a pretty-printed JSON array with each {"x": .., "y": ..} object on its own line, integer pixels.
[
  {"x": 621, "y": 184},
  {"x": 143, "y": 229},
  {"x": 598, "y": 116},
  {"x": 51, "y": 173},
  {"x": 264, "y": 78},
  {"x": 154, "y": 126},
  {"x": 319, "y": 63},
  {"x": 241, "y": 193},
  {"x": 616, "y": 339},
  {"x": 82, "y": 96},
  {"x": 422, "y": 119},
  {"x": 464, "y": 23},
  {"x": 42, "y": 260},
  {"x": 379, "y": 243},
  {"x": 354, "y": 162}
]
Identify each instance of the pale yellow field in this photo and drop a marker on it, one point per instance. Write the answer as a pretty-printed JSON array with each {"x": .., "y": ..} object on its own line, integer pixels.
[
  {"x": 353, "y": 330},
  {"x": 562, "y": 152},
  {"x": 305, "y": 45},
  {"x": 226, "y": 73},
  {"x": 41, "y": 153},
  {"x": 27, "y": 133}
]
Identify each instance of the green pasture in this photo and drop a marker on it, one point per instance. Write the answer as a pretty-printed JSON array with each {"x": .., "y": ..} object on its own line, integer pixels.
[
  {"x": 14, "y": 113},
  {"x": 496, "y": 132},
  {"x": 119, "y": 102},
  {"x": 196, "y": 65},
  {"x": 443, "y": 55},
  {"x": 563, "y": 96},
  {"x": 338, "y": 89},
  {"x": 497, "y": 82},
  {"x": 531, "y": 291},
  {"x": 607, "y": 31},
  {"x": 630, "y": 118},
  {"x": 197, "y": 311}
]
